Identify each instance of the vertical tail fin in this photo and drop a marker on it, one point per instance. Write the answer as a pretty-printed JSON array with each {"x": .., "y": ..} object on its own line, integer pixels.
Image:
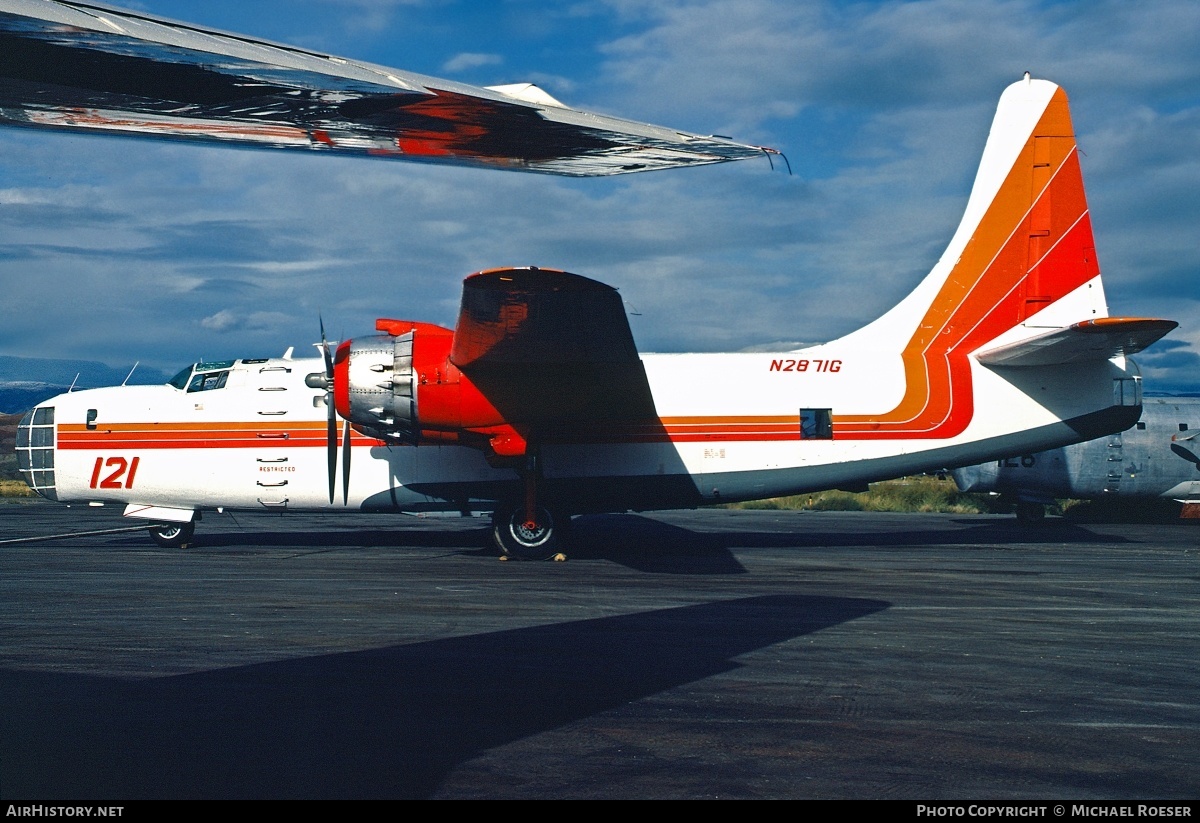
[
  {"x": 1025, "y": 241},
  {"x": 1022, "y": 260}
]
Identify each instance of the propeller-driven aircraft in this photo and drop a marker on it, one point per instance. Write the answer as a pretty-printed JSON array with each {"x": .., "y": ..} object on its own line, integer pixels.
[
  {"x": 537, "y": 405},
  {"x": 1157, "y": 459}
]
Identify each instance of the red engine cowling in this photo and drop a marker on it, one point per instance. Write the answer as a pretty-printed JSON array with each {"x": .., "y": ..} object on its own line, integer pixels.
[{"x": 401, "y": 386}]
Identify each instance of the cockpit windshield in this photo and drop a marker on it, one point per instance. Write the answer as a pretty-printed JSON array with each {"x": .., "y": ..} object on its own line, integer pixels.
[{"x": 202, "y": 376}]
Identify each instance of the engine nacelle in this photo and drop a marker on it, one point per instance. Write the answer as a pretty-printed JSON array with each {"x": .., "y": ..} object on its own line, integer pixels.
[
  {"x": 374, "y": 385},
  {"x": 401, "y": 386}
]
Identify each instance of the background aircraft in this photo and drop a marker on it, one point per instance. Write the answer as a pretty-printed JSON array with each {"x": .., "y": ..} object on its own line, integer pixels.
[{"x": 1157, "y": 459}]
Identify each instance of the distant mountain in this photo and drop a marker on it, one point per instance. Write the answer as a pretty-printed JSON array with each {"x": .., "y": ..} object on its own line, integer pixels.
[
  {"x": 27, "y": 381},
  {"x": 62, "y": 372},
  {"x": 16, "y": 398}
]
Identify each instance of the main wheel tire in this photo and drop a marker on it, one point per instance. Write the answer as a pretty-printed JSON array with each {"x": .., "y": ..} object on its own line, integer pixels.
[
  {"x": 522, "y": 541},
  {"x": 173, "y": 535}
]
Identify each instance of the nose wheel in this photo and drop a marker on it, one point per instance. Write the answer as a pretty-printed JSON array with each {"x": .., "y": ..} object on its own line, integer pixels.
[
  {"x": 173, "y": 535},
  {"x": 521, "y": 538}
]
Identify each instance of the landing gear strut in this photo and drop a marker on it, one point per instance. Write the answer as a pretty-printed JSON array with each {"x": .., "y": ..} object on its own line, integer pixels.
[
  {"x": 173, "y": 535},
  {"x": 527, "y": 530}
]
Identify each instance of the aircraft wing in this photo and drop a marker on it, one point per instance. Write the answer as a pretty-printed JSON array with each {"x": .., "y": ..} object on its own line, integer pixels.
[
  {"x": 85, "y": 67},
  {"x": 1098, "y": 339},
  {"x": 550, "y": 349}
]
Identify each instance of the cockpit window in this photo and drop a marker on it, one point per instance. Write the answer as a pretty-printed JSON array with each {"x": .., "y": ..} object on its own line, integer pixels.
[
  {"x": 211, "y": 375},
  {"x": 207, "y": 381}
]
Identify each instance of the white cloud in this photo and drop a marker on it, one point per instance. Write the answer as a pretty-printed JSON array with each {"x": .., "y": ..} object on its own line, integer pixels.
[
  {"x": 370, "y": 16},
  {"x": 224, "y": 320},
  {"x": 470, "y": 60}
]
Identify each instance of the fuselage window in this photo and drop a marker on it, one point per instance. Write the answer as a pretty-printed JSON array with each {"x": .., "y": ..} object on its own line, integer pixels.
[{"x": 816, "y": 424}]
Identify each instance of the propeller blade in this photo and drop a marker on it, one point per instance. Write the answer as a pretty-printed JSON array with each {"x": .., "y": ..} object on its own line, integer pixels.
[
  {"x": 325, "y": 350},
  {"x": 331, "y": 437},
  {"x": 331, "y": 413},
  {"x": 346, "y": 463}
]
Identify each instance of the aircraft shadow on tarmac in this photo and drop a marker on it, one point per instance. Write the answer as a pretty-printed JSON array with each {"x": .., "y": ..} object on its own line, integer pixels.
[
  {"x": 389, "y": 722},
  {"x": 650, "y": 545},
  {"x": 638, "y": 542}
]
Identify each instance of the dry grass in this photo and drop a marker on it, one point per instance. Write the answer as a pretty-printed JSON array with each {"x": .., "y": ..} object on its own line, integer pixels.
[
  {"x": 14, "y": 488},
  {"x": 908, "y": 494}
]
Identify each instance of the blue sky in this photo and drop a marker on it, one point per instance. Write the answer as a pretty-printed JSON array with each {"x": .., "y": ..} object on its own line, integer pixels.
[{"x": 121, "y": 250}]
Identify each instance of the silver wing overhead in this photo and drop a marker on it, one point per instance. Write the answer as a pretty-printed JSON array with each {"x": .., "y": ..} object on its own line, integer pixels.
[{"x": 85, "y": 67}]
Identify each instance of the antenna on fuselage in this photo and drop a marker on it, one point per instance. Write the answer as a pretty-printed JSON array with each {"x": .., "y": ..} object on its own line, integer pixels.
[
  {"x": 131, "y": 371},
  {"x": 71, "y": 388}
]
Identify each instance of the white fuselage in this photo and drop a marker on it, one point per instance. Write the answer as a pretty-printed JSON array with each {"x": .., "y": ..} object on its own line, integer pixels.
[{"x": 729, "y": 429}]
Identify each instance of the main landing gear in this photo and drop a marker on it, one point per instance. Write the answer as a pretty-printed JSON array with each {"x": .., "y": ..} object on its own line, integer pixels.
[
  {"x": 521, "y": 538},
  {"x": 173, "y": 535},
  {"x": 528, "y": 530}
]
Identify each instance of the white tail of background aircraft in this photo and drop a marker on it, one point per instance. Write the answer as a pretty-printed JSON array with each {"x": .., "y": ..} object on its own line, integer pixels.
[{"x": 538, "y": 406}]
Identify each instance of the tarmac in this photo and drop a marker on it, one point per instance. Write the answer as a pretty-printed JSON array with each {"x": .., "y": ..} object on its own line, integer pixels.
[{"x": 704, "y": 654}]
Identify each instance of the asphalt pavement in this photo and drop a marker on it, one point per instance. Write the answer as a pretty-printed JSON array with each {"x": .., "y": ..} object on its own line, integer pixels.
[{"x": 706, "y": 654}]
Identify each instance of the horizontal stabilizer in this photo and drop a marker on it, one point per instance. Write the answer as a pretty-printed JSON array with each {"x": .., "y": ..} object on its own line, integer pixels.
[{"x": 1099, "y": 339}]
